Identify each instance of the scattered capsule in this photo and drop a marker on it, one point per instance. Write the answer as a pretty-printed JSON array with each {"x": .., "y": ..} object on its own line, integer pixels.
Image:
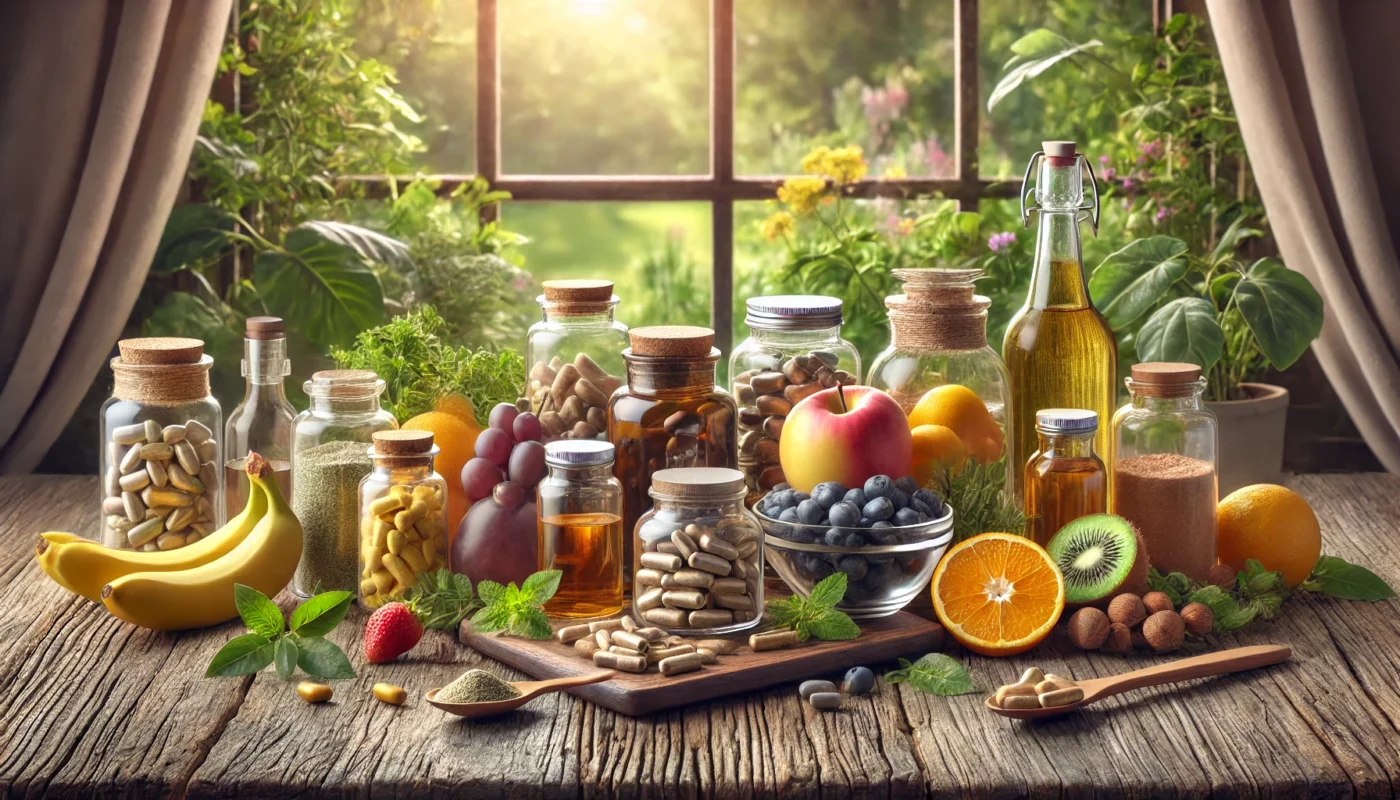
[
  {"x": 389, "y": 693},
  {"x": 314, "y": 692}
]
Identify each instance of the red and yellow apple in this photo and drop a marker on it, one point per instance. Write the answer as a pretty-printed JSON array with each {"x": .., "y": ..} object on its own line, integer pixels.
[{"x": 845, "y": 434}]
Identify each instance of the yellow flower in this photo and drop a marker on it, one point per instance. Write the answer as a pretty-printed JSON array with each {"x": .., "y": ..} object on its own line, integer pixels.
[
  {"x": 844, "y": 165},
  {"x": 814, "y": 163},
  {"x": 779, "y": 225},
  {"x": 895, "y": 173},
  {"x": 802, "y": 194}
]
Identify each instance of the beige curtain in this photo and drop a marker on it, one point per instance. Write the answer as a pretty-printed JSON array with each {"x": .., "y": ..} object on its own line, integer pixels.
[
  {"x": 100, "y": 101},
  {"x": 1315, "y": 85}
]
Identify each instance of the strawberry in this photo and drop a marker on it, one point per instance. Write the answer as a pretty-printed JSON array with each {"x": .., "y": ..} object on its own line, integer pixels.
[{"x": 392, "y": 630}]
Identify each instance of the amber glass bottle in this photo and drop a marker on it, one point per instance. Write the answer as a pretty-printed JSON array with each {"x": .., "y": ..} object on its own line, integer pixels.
[
  {"x": 1058, "y": 348},
  {"x": 1065, "y": 480}
]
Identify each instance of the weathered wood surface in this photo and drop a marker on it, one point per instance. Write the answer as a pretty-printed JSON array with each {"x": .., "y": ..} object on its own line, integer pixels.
[{"x": 91, "y": 706}]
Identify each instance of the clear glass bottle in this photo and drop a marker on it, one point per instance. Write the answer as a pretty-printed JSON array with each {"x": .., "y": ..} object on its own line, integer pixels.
[
  {"x": 1065, "y": 479},
  {"x": 263, "y": 421},
  {"x": 575, "y": 359},
  {"x": 938, "y": 366},
  {"x": 580, "y": 528},
  {"x": 1165, "y": 466},
  {"x": 1059, "y": 349},
  {"x": 329, "y": 459},
  {"x": 794, "y": 350},
  {"x": 670, "y": 414},
  {"x": 160, "y": 447},
  {"x": 403, "y": 516},
  {"x": 698, "y": 568}
]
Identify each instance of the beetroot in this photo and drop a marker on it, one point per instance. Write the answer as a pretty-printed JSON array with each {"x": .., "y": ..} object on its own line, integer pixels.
[{"x": 496, "y": 544}]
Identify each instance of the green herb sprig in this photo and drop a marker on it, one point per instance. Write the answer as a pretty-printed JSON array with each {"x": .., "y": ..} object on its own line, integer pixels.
[
  {"x": 269, "y": 642},
  {"x": 935, "y": 673},
  {"x": 976, "y": 494},
  {"x": 443, "y": 599},
  {"x": 517, "y": 611},
  {"x": 815, "y": 616}
]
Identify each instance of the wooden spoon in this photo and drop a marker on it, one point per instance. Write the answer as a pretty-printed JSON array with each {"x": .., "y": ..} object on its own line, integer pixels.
[
  {"x": 1225, "y": 661},
  {"x": 529, "y": 690}
]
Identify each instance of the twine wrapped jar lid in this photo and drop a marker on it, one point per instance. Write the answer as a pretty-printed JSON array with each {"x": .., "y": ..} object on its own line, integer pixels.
[
  {"x": 577, "y": 297},
  {"x": 161, "y": 370},
  {"x": 698, "y": 483},
  {"x": 939, "y": 310},
  {"x": 672, "y": 341},
  {"x": 1166, "y": 379},
  {"x": 793, "y": 312}
]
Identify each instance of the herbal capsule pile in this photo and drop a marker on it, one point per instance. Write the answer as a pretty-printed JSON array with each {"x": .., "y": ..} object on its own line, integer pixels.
[{"x": 157, "y": 485}]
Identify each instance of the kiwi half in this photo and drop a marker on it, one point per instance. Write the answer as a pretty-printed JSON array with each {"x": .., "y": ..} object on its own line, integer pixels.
[{"x": 1101, "y": 556}]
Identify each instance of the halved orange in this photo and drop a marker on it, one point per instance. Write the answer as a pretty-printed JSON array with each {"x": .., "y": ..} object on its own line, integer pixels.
[{"x": 998, "y": 594}]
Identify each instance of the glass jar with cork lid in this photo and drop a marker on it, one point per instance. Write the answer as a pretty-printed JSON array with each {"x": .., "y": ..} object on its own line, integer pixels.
[
  {"x": 1165, "y": 466},
  {"x": 670, "y": 414},
  {"x": 403, "y": 516},
  {"x": 794, "y": 350},
  {"x": 698, "y": 568},
  {"x": 160, "y": 454},
  {"x": 263, "y": 421},
  {"x": 574, "y": 358},
  {"x": 941, "y": 370}
]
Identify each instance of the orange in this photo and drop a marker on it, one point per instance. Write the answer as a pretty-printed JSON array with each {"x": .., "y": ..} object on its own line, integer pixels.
[
  {"x": 959, "y": 409},
  {"x": 457, "y": 442},
  {"x": 934, "y": 445},
  {"x": 998, "y": 594},
  {"x": 1272, "y": 524},
  {"x": 459, "y": 406}
]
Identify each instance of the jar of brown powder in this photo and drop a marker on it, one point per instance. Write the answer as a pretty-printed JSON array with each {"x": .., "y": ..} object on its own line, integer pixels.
[{"x": 1165, "y": 465}]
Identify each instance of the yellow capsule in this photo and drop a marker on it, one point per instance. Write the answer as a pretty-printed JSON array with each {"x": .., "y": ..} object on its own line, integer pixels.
[
  {"x": 314, "y": 692},
  {"x": 389, "y": 693},
  {"x": 385, "y": 504}
]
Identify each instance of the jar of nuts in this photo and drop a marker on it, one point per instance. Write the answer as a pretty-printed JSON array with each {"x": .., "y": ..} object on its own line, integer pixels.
[
  {"x": 794, "y": 350},
  {"x": 403, "y": 516},
  {"x": 160, "y": 447},
  {"x": 669, "y": 415},
  {"x": 575, "y": 358},
  {"x": 698, "y": 567}
]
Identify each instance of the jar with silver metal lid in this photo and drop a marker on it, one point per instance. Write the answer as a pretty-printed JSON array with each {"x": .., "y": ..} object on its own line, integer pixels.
[
  {"x": 1064, "y": 479},
  {"x": 580, "y": 528}
]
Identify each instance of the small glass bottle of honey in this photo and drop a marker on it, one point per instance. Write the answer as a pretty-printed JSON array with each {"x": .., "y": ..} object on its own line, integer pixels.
[
  {"x": 1064, "y": 479},
  {"x": 580, "y": 528}
]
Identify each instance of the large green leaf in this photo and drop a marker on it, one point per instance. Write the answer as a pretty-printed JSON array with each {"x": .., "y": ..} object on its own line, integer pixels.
[
  {"x": 1183, "y": 330},
  {"x": 1131, "y": 281},
  {"x": 324, "y": 288},
  {"x": 1023, "y": 68},
  {"x": 371, "y": 245},
  {"x": 1281, "y": 308},
  {"x": 194, "y": 234}
]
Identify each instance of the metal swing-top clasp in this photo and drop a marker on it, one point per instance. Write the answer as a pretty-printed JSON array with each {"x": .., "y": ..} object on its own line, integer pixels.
[{"x": 1060, "y": 150}]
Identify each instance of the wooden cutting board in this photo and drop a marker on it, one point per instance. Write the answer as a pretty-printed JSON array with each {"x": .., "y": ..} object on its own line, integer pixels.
[{"x": 902, "y": 634}]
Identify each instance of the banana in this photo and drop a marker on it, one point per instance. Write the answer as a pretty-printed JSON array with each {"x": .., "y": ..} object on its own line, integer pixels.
[
  {"x": 203, "y": 595},
  {"x": 84, "y": 567}
]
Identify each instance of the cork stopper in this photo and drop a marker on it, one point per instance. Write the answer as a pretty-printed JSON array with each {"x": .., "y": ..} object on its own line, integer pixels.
[
  {"x": 157, "y": 350},
  {"x": 583, "y": 290},
  {"x": 403, "y": 443},
  {"x": 1165, "y": 378},
  {"x": 939, "y": 310},
  {"x": 697, "y": 482},
  {"x": 1058, "y": 149},
  {"x": 263, "y": 328},
  {"x": 674, "y": 341}
]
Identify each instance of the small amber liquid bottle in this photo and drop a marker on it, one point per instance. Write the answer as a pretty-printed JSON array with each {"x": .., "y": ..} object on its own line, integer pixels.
[
  {"x": 580, "y": 528},
  {"x": 1065, "y": 480}
]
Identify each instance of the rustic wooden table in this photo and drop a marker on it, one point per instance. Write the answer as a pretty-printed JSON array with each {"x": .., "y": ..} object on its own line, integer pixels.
[{"x": 92, "y": 706}]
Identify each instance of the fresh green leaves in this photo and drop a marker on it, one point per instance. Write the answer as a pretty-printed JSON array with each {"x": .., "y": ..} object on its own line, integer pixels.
[
  {"x": 443, "y": 599},
  {"x": 268, "y": 641},
  {"x": 1281, "y": 308},
  {"x": 1185, "y": 329},
  {"x": 977, "y": 492},
  {"x": 517, "y": 610},
  {"x": 194, "y": 234},
  {"x": 816, "y": 616},
  {"x": 1334, "y": 576},
  {"x": 1035, "y": 52},
  {"x": 1130, "y": 282},
  {"x": 935, "y": 673},
  {"x": 326, "y": 286}
]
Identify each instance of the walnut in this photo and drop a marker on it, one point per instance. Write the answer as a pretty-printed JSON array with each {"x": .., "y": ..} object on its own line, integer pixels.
[
  {"x": 1199, "y": 619},
  {"x": 1158, "y": 601},
  {"x": 1120, "y": 639},
  {"x": 1222, "y": 575},
  {"x": 1127, "y": 609},
  {"x": 1164, "y": 631},
  {"x": 1088, "y": 628}
]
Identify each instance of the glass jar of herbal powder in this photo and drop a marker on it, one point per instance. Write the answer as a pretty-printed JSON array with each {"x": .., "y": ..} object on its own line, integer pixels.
[
  {"x": 330, "y": 443},
  {"x": 403, "y": 516}
]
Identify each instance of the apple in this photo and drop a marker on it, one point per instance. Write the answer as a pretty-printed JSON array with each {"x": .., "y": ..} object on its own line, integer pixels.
[{"x": 844, "y": 434}]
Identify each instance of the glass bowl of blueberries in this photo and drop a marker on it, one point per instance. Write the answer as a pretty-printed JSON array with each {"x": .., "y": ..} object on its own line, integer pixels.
[{"x": 886, "y": 535}]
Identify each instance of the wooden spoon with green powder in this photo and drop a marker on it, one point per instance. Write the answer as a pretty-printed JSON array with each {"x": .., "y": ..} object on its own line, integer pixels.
[{"x": 495, "y": 693}]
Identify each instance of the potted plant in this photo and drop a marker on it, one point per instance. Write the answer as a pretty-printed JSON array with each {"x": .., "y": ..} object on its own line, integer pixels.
[{"x": 1233, "y": 319}]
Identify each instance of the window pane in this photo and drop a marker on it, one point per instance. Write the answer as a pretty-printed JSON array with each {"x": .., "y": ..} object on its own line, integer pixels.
[
  {"x": 432, "y": 48},
  {"x": 605, "y": 87},
  {"x": 876, "y": 73}
]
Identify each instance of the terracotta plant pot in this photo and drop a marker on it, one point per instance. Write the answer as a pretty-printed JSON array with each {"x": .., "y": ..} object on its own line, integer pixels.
[{"x": 1251, "y": 436}]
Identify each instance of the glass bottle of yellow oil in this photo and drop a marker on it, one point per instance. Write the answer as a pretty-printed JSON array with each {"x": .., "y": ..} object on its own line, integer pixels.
[{"x": 1058, "y": 349}]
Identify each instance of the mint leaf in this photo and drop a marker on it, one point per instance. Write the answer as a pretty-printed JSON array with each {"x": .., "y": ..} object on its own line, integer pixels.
[
  {"x": 531, "y": 623},
  {"x": 935, "y": 673},
  {"x": 490, "y": 592},
  {"x": 491, "y": 619},
  {"x": 829, "y": 591},
  {"x": 260, "y": 614},
  {"x": 285, "y": 657},
  {"x": 541, "y": 586},
  {"x": 321, "y": 658},
  {"x": 1334, "y": 576},
  {"x": 785, "y": 611},
  {"x": 833, "y": 626},
  {"x": 319, "y": 615},
  {"x": 443, "y": 599},
  {"x": 244, "y": 655}
]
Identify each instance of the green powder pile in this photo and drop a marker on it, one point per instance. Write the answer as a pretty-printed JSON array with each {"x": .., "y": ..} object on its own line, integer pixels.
[
  {"x": 326, "y": 499},
  {"x": 476, "y": 686}
]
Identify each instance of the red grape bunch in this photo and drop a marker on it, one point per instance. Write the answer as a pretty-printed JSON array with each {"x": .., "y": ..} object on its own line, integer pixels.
[{"x": 497, "y": 538}]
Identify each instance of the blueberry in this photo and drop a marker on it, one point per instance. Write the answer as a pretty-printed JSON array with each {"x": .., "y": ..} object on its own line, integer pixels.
[
  {"x": 907, "y": 485},
  {"x": 780, "y": 500},
  {"x": 854, "y": 567},
  {"x": 788, "y": 515},
  {"x": 919, "y": 505},
  {"x": 884, "y": 573},
  {"x": 835, "y": 537},
  {"x": 828, "y": 494},
  {"x": 858, "y": 680},
  {"x": 856, "y": 593},
  {"x": 878, "y": 486},
  {"x": 920, "y": 517},
  {"x": 853, "y": 540},
  {"x": 900, "y": 498},
  {"x": 814, "y": 566},
  {"x": 782, "y": 487},
  {"x": 928, "y": 498},
  {"x": 856, "y": 496},
  {"x": 881, "y": 537},
  {"x": 809, "y": 512},
  {"x": 798, "y": 534},
  {"x": 883, "y": 523},
  {"x": 879, "y": 508},
  {"x": 906, "y": 516},
  {"x": 798, "y": 497},
  {"x": 845, "y": 514}
]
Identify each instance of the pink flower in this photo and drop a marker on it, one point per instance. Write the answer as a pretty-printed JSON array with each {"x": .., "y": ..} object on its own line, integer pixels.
[
  {"x": 1164, "y": 212},
  {"x": 940, "y": 164},
  {"x": 1001, "y": 241},
  {"x": 1151, "y": 149},
  {"x": 1129, "y": 184},
  {"x": 1103, "y": 160},
  {"x": 1109, "y": 173}
]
